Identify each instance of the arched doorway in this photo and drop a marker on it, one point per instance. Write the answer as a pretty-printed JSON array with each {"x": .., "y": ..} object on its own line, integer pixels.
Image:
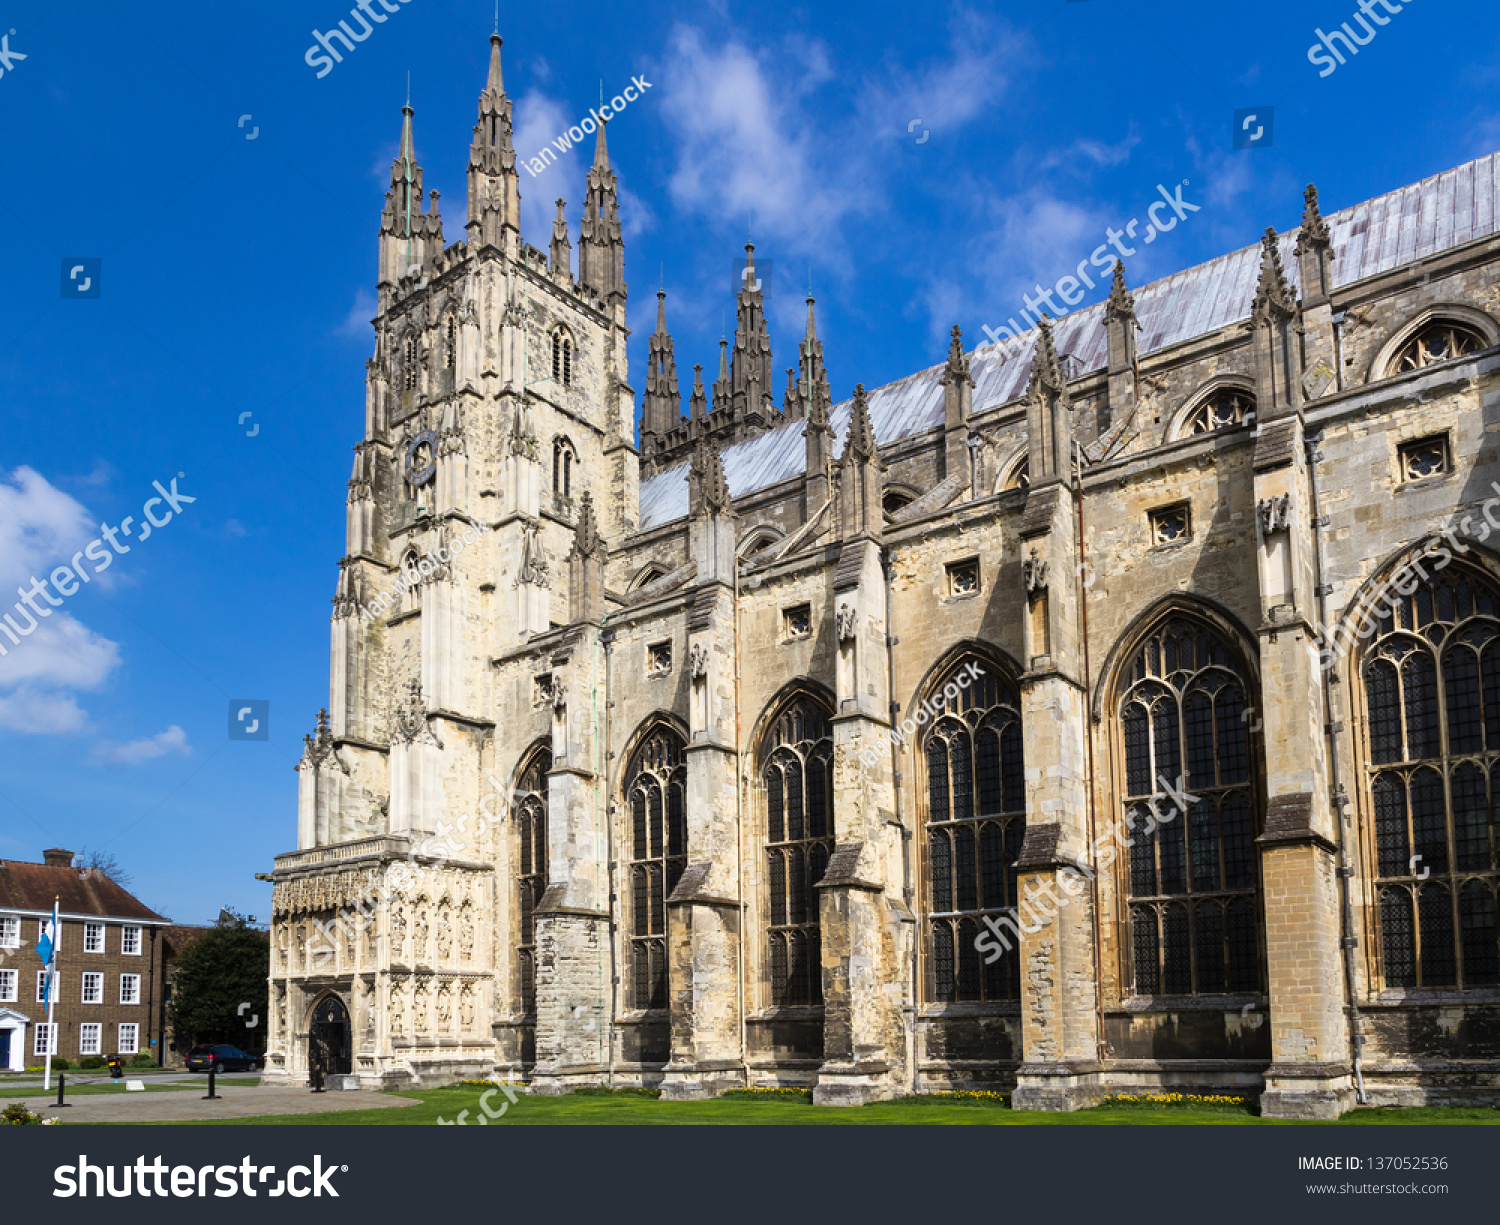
[{"x": 328, "y": 1041}]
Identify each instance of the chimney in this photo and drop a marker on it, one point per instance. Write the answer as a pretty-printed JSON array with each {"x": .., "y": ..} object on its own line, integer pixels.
[{"x": 56, "y": 857}]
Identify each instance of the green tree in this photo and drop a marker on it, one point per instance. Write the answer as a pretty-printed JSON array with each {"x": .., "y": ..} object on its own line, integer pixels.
[{"x": 219, "y": 991}]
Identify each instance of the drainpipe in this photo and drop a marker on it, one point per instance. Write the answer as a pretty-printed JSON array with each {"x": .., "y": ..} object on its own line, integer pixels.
[
  {"x": 1340, "y": 799},
  {"x": 888, "y": 564},
  {"x": 156, "y": 1007},
  {"x": 739, "y": 821},
  {"x": 1338, "y": 347},
  {"x": 609, "y": 862}
]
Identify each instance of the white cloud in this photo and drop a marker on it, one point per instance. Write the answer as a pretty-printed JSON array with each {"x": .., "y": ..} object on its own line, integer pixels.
[
  {"x": 42, "y": 528},
  {"x": 61, "y": 653},
  {"x": 747, "y": 149},
  {"x": 173, "y": 740},
  {"x": 40, "y": 713},
  {"x": 357, "y": 322},
  {"x": 540, "y": 119},
  {"x": 780, "y": 141}
]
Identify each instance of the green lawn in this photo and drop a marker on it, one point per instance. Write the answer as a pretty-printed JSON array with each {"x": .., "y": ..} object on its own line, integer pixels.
[{"x": 627, "y": 1107}]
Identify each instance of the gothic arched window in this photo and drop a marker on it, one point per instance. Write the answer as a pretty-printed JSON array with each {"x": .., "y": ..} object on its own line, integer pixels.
[
  {"x": 1432, "y": 692},
  {"x": 562, "y": 468},
  {"x": 1192, "y": 881},
  {"x": 797, "y": 771},
  {"x": 411, "y": 575},
  {"x": 1439, "y": 341},
  {"x": 1226, "y": 407},
  {"x": 409, "y": 364},
  {"x": 452, "y": 347},
  {"x": 562, "y": 358},
  {"x": 976, "y": 820},
  {"x": 655, "y": 798},
  {"x": 531, "y": 879}
]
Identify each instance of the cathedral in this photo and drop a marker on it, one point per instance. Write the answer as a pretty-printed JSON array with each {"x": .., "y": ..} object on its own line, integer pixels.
[{"x": 1117, "y": 711}]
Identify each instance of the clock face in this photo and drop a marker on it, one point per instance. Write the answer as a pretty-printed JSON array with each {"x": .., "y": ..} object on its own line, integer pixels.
[{"x": 421, "y": 458}]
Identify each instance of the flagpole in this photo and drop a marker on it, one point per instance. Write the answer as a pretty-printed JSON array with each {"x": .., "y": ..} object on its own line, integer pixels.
[{"x": 48, "y": 971}]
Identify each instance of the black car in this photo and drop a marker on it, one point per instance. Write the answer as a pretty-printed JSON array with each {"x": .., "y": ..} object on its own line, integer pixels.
[{"x": 205, "y": 1058}]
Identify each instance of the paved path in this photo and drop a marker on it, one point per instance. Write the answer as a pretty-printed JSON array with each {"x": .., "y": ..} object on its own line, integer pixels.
[
  {"x": 187, "y": 1106},
  {"x": 100, "y": 1076}
]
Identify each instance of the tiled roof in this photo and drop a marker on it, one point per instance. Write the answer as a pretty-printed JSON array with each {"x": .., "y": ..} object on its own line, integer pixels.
[
  {"x": 1437, "y": 214},
  {"x": 32, "y": 886}
]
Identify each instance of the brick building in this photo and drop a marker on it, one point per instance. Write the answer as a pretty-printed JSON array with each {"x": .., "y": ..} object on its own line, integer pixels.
[
  {"x": 1116, "y": 709},
  {"x": 109, "y": 964}
]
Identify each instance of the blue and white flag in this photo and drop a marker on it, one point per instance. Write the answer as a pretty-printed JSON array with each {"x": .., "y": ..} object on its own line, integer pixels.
[{"x": 46, "y": 949}]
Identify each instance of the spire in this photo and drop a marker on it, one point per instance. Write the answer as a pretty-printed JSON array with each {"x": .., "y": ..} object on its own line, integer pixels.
[
  {"x": 495, "y": 83},
  {"x": 698, "y": 404},
  {"x": 708, "y": 490},
  {"x": 1314, "y": 252},
  {"x": 586, "y": 567},
  {"x": 494, "y": 185},
  {"x": 956, "y": 370},
  {"x": 1120, "y": 326},
  {"x": 1046, "y": 366},
  {"x": 958, "y": 403},
  {"x": 601, "y": 149},
  {"x": 1314, "y": 228},
  {"x": 722, "y": 390},
  {"x": 752, "y": 347},
  {"x": 1049, "y": 416},
  {"x": 790, "y": 404},
  {"x": 861, "y": 485},
  {"x": 1273, "y": 296},
  {"x": 813, "y": 395},
  {"x": 861, "y": 440},
  {"x": 601, "y": 259},
  {"x": 562, "y": 249},
  {"x": 586, "y": 539},
  {"x": 716, "y": 490},
  {"x": 408, "y": 234},
  {"x": 662, "y": 405},
  {"x": 1121, "y": 304}
]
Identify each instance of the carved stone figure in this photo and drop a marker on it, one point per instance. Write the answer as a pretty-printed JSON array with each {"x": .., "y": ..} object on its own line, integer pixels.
[{"x": 465, "y": 934}]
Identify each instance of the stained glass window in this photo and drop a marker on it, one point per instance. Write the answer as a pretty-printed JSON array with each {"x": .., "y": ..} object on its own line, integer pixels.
[
  {"x": 1192, "y": 813},
  {"x": 1431, "y": 679},
  {"x": 976, "y": 820},
  {"x": 655, "y": 789},
  {"x": 798, "y": 778}
]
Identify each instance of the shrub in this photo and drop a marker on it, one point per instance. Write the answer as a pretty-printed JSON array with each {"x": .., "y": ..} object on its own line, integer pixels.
[
  {"x": 59, "y": 1064},
  {"x": 143, "y": 1060},
  {"x": 91, "y": 1062},
  {"x": 16, "y": 1115}
]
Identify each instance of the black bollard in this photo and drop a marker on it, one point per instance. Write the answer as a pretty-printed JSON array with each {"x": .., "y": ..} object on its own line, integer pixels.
[
  {"x": 60, "y": 1104},
  {"x": 211, "y": 1096}
]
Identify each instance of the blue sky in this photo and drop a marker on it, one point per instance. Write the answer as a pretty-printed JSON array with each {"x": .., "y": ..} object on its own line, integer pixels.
[{"x": 237, "y": 277}]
